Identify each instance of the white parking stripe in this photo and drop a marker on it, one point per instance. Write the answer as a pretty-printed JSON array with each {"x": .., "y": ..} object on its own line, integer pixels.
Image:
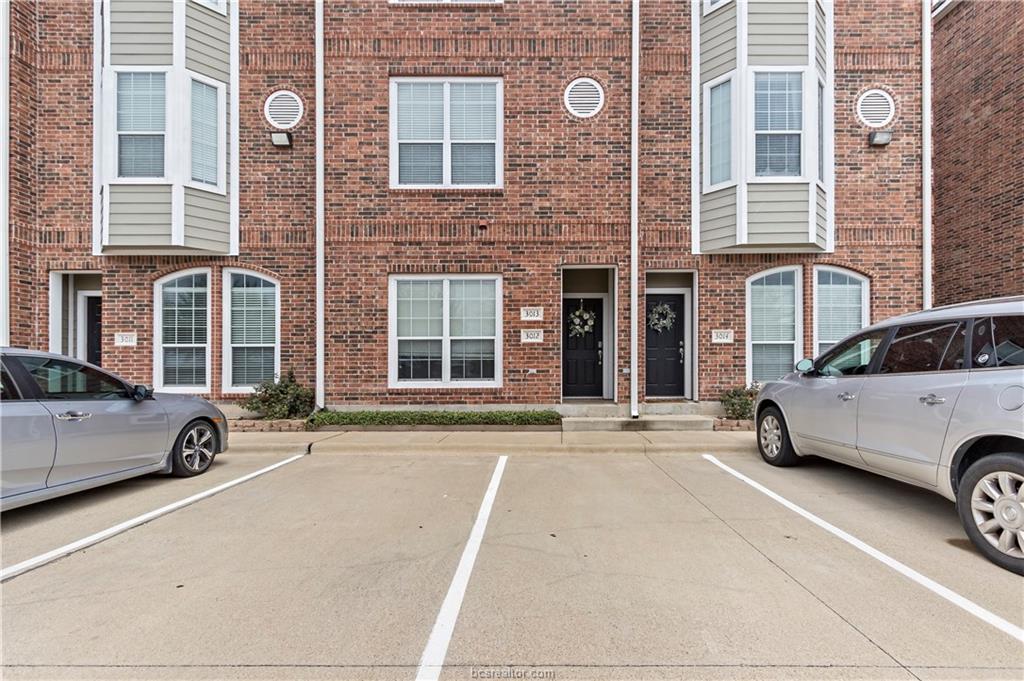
[
  {"x": 433, "y": 656},
  {"x": 905, "y": 570},
  {"x": 50, "y": 556}
]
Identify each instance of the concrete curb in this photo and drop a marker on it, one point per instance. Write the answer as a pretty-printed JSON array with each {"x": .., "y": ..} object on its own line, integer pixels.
[{"x": 341, "y": 449}]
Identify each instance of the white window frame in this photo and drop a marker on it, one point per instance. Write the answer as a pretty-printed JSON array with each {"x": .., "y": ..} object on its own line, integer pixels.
[
  {"x": 446, "y": 141},
  {"x": 808, "y": 103},
  {"x": 445, "y": 2},
  {"x": 219, "y": 6},
  {"x": 798, "y": 331},
  {"x": 865, "y": 300},
  {"x": 714, "y": 5},
  {"x": 446, "y": 381},
  {"x": 226, "y": 347},
  {"x": 158, "y": 332},
  {"x": 110, "y": 117},
  {"x": 222, "y": 134},
  {"x": 734, "y": 150}
]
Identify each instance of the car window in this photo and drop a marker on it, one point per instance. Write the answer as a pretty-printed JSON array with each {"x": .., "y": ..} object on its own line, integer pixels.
[
  {"x": 61, "y": 379},
  {"x": 924, "y": 347},
  {"x": 853, "y": 357},
  {"x": 998, "y": 342},
  {"x": 8, "y": 391}
]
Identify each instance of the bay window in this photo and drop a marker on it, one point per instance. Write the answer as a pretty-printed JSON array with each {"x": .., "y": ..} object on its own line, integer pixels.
[
  {"x": 141, "y": 112},
  {"x": 774, "y": 328},
  {"x": 444, "y": 331},
  {"x": 251, "y": 330},
  {"x": 446, "y": 132},
  {"x": 181, "y": 347},
  {"x": 778, "y": 124},
  {"x": 841, "y": 305}
]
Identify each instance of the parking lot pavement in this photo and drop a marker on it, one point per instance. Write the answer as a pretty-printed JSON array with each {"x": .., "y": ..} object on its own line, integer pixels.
[{"x": 604, "y": 567}]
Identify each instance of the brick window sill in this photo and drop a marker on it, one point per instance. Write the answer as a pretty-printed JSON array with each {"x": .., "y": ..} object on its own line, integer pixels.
[{"x": 446, "y": 192}]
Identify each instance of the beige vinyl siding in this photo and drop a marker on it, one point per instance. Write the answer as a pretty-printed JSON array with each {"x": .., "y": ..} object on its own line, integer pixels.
[
  {"x": 140, "y": 215},
  {"x": 777, "y": 32},
  {"x": 141, "y": 32},
  {"x": 207, "y": 42},
  {"x": 718, "y": 220},
  {"x": 777, "y": 214},
  {"x": 820, "y": 41},
  {"x": 207, "y": 220},
  {"x": 821, "y": 206},
  {"x": 718, "y": 43}
]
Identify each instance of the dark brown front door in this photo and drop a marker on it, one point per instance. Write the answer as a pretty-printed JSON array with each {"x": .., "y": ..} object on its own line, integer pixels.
[
  {"x": 93, "y": 330},
  {"x": 666, "y": 347},
  {"x": 582, "y": 355}
]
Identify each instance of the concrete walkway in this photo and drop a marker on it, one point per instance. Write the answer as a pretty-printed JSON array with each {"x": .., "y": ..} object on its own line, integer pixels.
[{"x": 489, "y": 443}]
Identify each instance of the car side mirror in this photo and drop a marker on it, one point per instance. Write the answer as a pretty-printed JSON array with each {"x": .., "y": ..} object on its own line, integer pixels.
[
  {"x": 805, "y": 365},
  {"x": 141, "y": 392}
]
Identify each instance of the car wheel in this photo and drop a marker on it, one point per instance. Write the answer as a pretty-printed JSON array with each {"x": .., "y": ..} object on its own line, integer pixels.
[
  {"x": 773, "y": 438},
  {"x": 990, "y": 500},
  {"x": 194, "y": 449}
]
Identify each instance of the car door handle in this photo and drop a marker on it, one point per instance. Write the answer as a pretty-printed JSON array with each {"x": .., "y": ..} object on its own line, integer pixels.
[
  {"x": 931, "y": 399},
  {"x": 846, "y": 397},
  {"x": 74, "y": 416}
]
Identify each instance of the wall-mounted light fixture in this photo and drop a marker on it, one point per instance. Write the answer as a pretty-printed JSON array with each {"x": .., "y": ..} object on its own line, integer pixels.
[
  {"x": 879, "y": 138},
  {"x": 281, "y": 139}
]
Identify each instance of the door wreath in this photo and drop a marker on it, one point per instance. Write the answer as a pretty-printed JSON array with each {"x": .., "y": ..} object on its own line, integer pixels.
[
  {"x": 661, "y": 317},
  {"x": 581, "y": 322}
]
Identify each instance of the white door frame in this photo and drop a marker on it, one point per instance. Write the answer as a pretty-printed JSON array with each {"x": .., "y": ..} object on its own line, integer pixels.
[
  {"x": 607, "y": 341},
  {"x": 688, "y": 338},
  {"x": 81, "y": 333}
]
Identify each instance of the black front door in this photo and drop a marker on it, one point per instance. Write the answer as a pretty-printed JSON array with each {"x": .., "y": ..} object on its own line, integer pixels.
[
  {"x": 93, "y": 330},
  {"x": 666, "y": 345},
  {"x": 582, "y": 355}
]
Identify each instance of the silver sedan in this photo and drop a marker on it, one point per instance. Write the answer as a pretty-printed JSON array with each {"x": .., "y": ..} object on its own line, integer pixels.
[{"x": 66, "y": 426}]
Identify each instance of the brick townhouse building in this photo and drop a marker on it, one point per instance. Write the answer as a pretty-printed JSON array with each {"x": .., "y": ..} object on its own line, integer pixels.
[
  {"x": 979, "y": 149},
  {"x": 528, "y": 202}
]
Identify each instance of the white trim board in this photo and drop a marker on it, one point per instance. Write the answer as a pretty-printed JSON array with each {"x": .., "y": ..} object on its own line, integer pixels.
[{"x": 5, "y": 173}]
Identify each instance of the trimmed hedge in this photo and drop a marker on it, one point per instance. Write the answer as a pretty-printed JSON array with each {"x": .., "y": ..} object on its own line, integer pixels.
[{"x": 435, "y": 418}]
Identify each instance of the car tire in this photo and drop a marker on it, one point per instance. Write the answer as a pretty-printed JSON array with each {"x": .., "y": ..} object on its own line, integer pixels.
[
  {"x": 194, "y": 450},
  {"x": 773, "y": 439},
  {"x": 989, "y": 501}
]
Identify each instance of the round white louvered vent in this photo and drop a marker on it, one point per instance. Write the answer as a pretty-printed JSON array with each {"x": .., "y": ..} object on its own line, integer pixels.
[
  {"x": 875, "y": 108},
  {"x": 584, "y": 97},
  {"x": 283, "y": 109}
]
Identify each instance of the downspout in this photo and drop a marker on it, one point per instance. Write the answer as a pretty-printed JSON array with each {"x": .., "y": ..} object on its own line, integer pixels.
[
  {"x": 320, "y": 266},
  {"x": 634, "y": 212},
  {"x": 5, "y": 156},
  {"x": 926, "y": 152}
]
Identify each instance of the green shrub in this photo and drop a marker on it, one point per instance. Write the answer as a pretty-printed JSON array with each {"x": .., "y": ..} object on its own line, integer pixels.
[
  {"x": 739, "y": 402},
  {"x": 286, "y": 399},
  {"x": 435, "y": 418}
]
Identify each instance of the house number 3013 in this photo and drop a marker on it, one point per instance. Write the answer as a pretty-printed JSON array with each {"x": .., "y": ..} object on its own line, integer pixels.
[{"x": 531, "y": 314}]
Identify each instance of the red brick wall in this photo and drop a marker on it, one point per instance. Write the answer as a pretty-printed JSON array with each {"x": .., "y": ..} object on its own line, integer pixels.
[
  {"x": 978, "y": 75},
  {"x": 566, "y": 195}
]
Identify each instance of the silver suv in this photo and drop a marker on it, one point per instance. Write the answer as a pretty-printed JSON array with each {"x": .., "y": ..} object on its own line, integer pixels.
[{"x": 933, "y": 398}]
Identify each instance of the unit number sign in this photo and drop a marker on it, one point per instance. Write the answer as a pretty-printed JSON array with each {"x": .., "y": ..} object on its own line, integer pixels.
[
  {"x": 531, "y": 336},
  {"x": 721, "y": 336},
  {"x": 125, "y": 339},
  {"x": 531, "y": 314}
]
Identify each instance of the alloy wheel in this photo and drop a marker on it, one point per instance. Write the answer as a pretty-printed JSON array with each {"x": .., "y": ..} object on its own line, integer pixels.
[
  {"x": 771, "y": 436},
  {"x": 197, "y": 448},
  {"x": 997, "y": 505}
]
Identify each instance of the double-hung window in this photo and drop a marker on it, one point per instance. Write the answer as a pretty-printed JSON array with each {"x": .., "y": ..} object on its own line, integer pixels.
[
  {"x": 840, "y": 305},
  {"x": 446, "y": 132},
  {"x": 141, "y": 123},
  {"x": 207, "y": 134},
  {"x": 778, "y": 124},
  {"x": 445, "y": 331},
  {"x": 251, "y": 330},
  {"x": 773, "y": 323},
  {"x": 182, "y": 331},
  {"x": 718, "y": 122}
]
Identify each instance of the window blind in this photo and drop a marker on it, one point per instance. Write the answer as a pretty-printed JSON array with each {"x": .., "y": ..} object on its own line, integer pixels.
[
  {"x": 204, "y": 133},
  {"x": 778, "y": 123},
  {"x": 720, "y": 133},
  {"x": 253, "y": 329},
  {"x": 141, "y": 114},
  {"x": 184, "y": 330},
  {"x": 773, "y": 325},
  {"x": 839, "y": 307}
]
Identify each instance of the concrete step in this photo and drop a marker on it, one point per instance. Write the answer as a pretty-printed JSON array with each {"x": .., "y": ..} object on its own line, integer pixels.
[{"x": 576, "y": 424}]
